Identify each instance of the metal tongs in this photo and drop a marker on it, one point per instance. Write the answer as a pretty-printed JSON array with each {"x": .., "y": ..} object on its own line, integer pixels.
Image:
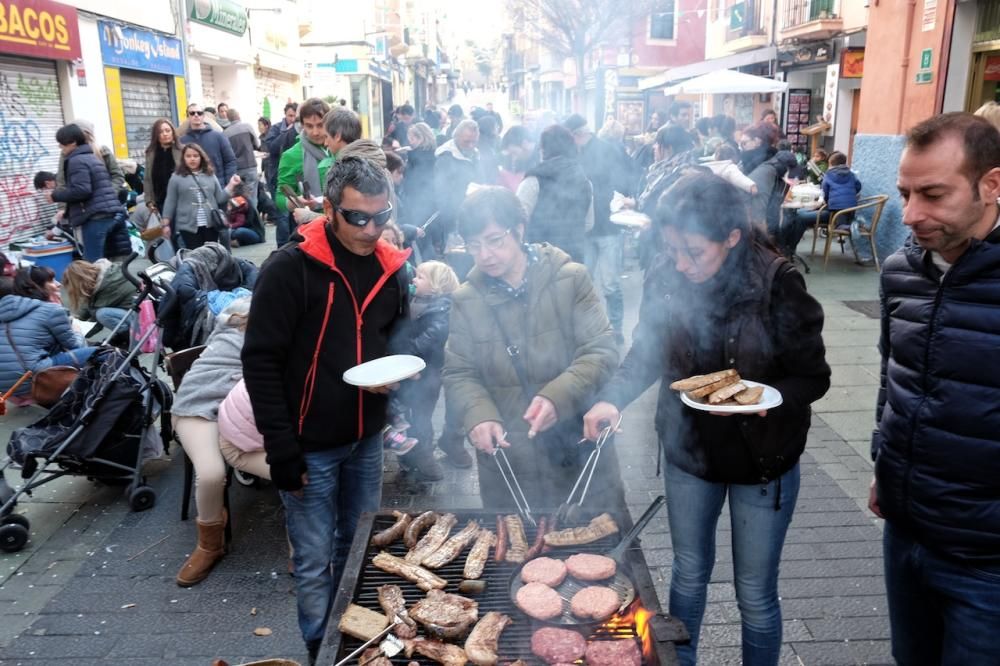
[
  {"x": 520, "y": 501},
  {"x": 569, "y": 510},
  {"x": 389, "y": 647}
]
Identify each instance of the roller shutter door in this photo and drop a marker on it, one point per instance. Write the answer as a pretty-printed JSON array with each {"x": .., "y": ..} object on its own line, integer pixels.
[
  {"x": 145, "y": 97},
  {"x": 207, "y": 86},
  {"x": 30, "y": 114},
  {"x": 278, "y": 88}
]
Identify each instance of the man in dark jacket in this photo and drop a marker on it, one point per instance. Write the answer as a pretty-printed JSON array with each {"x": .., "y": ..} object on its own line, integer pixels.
[
  {"x": 324, "y": 303},
  {"x": 840, "y": 188},
  {"x": 937, "y": 443},
  {"x": 244, "y": 141},
  {"x": 456, "y": 166},
  {"x": 220, "y": 152}
]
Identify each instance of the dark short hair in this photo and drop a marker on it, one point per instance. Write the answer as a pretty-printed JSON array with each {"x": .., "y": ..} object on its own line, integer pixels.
[
  {"x": 43, "y": 177},
  {"x": 30, "y": 282},
  {"x": 677, "y": 107},
  {"x": 455, "y": 111},
  {"x": 393, "y": 162},
  {"x": 675, "y": 138},
  {"x": 724, "y": 125},
  {"x": 490, "y": 204},
  {"x": 725, "y": 151},
  {"x": 313, "y": 106},
  {"x": 575, "y": 122},
  {"x": 341, "y": 120},
  {"x": 294, "y": 106},
  {"x": 515, "y": 136},
  {"x": 703, "y": 125},
  {"x": 365, "y": 176},
  {"x": 209, "y": 109},
  {"x": 265, "y": 121},
  {"x": 223, "y": 104},
  {"x": 206, "y": 162},
  {"x": 407, "y": 110},
  {"x": 487, "y": 125},
  {"x": 432, "y": 117},
  {"x": 557, "y": 141},
  {"x": 68, "y": 134},
  {"x": 704, "y": 204},
  {"x": 838, "y": 158},
  {"x": 768, "y": 112},
  {"x": 980, "y": 140},
  {"x": 6, "y": 286}
]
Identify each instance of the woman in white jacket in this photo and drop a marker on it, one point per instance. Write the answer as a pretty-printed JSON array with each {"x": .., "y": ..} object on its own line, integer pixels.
[{"x": 725, "y": 167}]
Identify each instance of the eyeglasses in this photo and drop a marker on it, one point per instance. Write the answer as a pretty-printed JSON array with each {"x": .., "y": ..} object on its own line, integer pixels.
[
  {"x": 492, "y": 243},
  {"x": 196, "y": 113},
  {"x": 360, "y": 218}
]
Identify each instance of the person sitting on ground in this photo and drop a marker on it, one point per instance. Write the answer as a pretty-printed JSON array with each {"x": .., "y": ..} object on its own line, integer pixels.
[
  {"x": 38, "y": 335},
  {"x": 98, "y": 291},
  {"x": 840, "y": 189},
  {"x": 244, "y": 222},
  {"x": 38, "y": 282},
  {"x": 724, "y": 166}
]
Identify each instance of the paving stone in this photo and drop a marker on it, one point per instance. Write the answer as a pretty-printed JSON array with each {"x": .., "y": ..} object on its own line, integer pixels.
[
  {"x": 847, "y": 628},
  {"x": 60, "y": 647}
]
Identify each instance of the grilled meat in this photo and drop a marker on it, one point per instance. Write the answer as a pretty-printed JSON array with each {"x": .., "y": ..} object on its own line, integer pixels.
[
  {"x": 443, "y": 653},
  {"x": 595, "y": 603},
  {"x": 587, "y": 566},
  {"x": 600, "y": 527},
  {"x": 374, "y": 657},
  {"x": 536, "y": 547},
  {"x": 447, "y": 616},
  {"x": 614, "y": 653},
  {"x": 387, "y": 536},
  {"x": 500, "y": 554},
  {"x": 433, "y": 540},
  {"x": 452, "y": 547},
  {"x": 751, "y": 396},
  {"x": 701, "y": 381},
  {"x": 481, "y": 646},
  {"x": 390, "y": 598},
  {"x": 539, "y": 601},
  {"x": 416, "y": 526},
  {"x": 518, "y": 550},
  {"x": 423, "y": 578},
  {"x": 544, "y": 570},
  {"x": 556, "y": 646},
  {"x": 480, "y": 552}
]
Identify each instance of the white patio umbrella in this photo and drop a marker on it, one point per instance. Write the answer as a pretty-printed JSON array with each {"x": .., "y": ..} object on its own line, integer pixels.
[{"x": 726, "y": 82}]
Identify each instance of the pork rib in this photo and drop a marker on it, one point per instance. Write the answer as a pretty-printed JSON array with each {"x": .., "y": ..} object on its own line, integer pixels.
[
  {"x": 452, "y": 547},
  {"x": 481, "y": 646},
  {"x": 447, "y": 616},
  {"x": 443, "y": 653},
  {"x": 390, "y": 598},
  {"x": 431, "y": 541},
  {"x": 423, "y": 578},
  {"x": 600, "y": 527},
  {"x": 480, "y": 552}
]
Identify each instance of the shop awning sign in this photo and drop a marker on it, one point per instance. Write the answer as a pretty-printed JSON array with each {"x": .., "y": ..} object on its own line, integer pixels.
[
  {"x": 222, "y": 14},
  {"x": 144, "y": 50},
  {"x": 40, "y": 29}
]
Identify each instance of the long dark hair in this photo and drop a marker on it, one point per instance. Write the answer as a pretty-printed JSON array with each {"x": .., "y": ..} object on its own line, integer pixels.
[
  {"x": 154, "y": 139},
  {"x": 30, "y": 282},
  {"x": 206, "y": 163}
]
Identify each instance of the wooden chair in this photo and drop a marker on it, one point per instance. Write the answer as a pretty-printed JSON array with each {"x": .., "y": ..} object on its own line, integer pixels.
[
  {"x": 177, "y": 365},
  {"x": 873, "y": 203},
  {"x": 816, "y": 227}
]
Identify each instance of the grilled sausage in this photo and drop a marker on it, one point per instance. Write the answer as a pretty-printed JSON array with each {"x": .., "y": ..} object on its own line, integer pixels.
[
  {"x": 518, "y": 542},
  {"x": 501, "y": 550},
  {"x": 387, "y": 536},
  {"x": 418, "y": 525},
  {"x": 536, "y": 547}
]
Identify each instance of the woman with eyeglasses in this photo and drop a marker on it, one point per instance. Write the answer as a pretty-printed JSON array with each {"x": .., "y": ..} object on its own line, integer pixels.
[
  {"x": 192, "y": 194},
  {"x": 720, "y": 297},
  {"x": 529, "y": 346}
]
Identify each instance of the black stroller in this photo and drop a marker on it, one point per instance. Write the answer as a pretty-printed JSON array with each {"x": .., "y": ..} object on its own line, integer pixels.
[{"x": 101, "y": 428}]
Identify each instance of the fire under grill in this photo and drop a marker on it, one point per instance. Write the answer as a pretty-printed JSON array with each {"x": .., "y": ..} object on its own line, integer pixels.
[{"x": 642, "y": 621}]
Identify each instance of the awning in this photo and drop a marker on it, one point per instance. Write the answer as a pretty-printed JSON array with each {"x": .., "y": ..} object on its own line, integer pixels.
[
  {"x": 726, "y": 82},
  {"x": 704, "y": 67}
]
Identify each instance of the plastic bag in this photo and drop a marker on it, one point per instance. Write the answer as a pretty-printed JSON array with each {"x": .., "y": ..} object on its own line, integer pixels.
[{"x": 147, "y": 321}]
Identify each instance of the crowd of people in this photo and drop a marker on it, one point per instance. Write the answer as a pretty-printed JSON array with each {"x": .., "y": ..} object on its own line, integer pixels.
[{"x": 493, "y": 256}]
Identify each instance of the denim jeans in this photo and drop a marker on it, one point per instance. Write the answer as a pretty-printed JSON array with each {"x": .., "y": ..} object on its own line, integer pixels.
[
  {"x": 284, "y": 225},
  {"x": 343, "y": 482},
  {"x": 74, "y": 357},
  {"x": 941, "y": 611},
  {"x": 693, "y": 509},
  {"x": 245, "y": 236},
  {"x": 110, "y": 317},
  {"x": 603, "y": 258},
  {"x": 94, "y": 233},
  {"x": 249, "y": 176}
]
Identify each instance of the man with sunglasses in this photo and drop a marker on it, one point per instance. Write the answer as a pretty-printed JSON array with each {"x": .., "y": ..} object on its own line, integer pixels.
[
  {"x": 213, "y": 142},
  {"x": 323, "y": 303}
]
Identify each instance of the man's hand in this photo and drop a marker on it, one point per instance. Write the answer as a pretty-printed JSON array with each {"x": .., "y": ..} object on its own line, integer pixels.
[
  {"x": 541, "y": 416},
  {"x": 873, "y": 499},
  {"x": 48, "y": 196},
  {"x": 382, "y": 390},
  {"x": 488, "y": 435},
  {"x": 305, "y": 482},
  {"x": 761, "y": 414},
  {"x": 598, "y": 418},
  {"x": 302, "y": 215}
]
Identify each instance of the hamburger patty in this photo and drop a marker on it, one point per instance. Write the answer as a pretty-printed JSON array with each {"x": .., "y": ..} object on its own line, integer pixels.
[
  {"x": 544, "y": 570},
  {"x": 613, "y": 653},
  {"x": 595, "y": 602},
  {"x": 539, "y": 601},
  {"x": 555, "y": 646},
  {"x": 584, "y": 566}
]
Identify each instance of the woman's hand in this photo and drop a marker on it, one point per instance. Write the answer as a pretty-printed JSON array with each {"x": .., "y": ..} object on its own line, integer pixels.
[
  {"x": 600, "y": 416},
  {"x": 165, "y": 225},
  {"x": 488, "y": 435},
  {"x": 233, "y": 182},
  {"x": 763, "y": 413},
  {"x": 541, "y": 416}
]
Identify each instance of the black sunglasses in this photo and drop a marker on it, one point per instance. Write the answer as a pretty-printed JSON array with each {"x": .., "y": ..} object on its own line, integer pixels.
[
  {"x": 196, "y": 113},
  {"x": 359, "y": 218}
]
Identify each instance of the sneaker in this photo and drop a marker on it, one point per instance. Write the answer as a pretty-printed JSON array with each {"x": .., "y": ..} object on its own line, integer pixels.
[
  {"x": 424, "y": 464},
  {"x": 397, "y": 441}
]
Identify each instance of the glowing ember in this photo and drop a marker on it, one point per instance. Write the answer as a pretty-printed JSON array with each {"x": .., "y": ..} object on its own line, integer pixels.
[{"x": 632, "y": 621}]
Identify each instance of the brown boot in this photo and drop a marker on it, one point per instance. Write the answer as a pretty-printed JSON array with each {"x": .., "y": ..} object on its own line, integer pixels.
[{"x": 211, "y": 547}]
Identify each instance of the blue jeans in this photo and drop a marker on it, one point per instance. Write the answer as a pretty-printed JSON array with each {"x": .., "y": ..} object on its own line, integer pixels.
[
  {"x": 343, "y": 482},
  {"x": 693, "y": 508},
  {"x": 603, "y": 258},
  {"x": 109, "y": 318},
  {"x": 941, "y": 612},
  {"x": 74, "y": 357},
  {"x": 95, "y": 233},
  {"x": 245, "y": 236}
]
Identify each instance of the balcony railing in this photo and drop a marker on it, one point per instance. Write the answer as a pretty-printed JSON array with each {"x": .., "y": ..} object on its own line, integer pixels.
[{"x": 797, "y": 12}]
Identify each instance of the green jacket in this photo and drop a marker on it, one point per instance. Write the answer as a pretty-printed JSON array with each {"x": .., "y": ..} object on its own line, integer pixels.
[
  {"x": 566, "y": 344},
  {"x": 113, "y": 291},
  {"x": 290, "y": 171}
]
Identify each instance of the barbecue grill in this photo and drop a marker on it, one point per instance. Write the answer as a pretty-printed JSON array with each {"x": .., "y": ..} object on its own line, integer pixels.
[{"x": 643, "y": 620}]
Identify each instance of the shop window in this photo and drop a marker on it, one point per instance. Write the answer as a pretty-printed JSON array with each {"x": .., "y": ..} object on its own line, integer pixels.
[
  {"x": 987, "y": 21},
  {"x": 662, "y": 23}
]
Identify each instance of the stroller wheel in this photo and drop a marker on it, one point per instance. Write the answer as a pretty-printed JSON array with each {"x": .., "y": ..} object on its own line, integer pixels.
[
  {"x": 142, "y": 498},
  {"x": 13, "y": 537},
  {"x": 246, "y": 480},
  {"x": 15, "y": 519}
]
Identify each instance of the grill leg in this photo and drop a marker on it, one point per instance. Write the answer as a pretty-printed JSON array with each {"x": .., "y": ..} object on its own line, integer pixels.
[{"x": 188, "y": 484}]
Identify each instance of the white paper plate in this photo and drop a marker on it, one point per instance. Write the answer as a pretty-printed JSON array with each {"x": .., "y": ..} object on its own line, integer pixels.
[
  {"x": 770, "y": 400},
  {"x": 630, "y": 218},
  {"x": 385, "y": 370}
]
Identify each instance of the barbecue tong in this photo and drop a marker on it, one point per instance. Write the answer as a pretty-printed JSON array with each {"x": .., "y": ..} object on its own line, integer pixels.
[
  {"x": 568, "y": 512},
  {"x": 389, "y": 647},
  {"x": 509, "y": 478}
]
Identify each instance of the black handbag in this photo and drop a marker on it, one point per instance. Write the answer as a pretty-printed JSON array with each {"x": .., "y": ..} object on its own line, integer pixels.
[{"x": 216, "y": 218}]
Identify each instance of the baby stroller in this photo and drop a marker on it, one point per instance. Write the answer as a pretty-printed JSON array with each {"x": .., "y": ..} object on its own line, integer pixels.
[{"x": 101, "y": 428}]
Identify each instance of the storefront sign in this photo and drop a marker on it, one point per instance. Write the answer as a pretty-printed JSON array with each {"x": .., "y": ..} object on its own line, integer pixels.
[
  {"x": 39, "y": 28},
  {"x": 830, "y": 95},
  {"x": 146, "y": 51},
  {"x": 992, "y": 72},
  {"x": 852, "y": 63},
  {"x": 222, "y": 14},
  {"x": 810, "y": 54}
]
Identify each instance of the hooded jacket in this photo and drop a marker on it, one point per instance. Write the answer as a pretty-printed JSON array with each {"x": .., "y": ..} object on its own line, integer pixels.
[
  {"x": 306, "y": 328},
  {"x": 113, "y": 290},
  {"x": 39, "y": 329},
  {"x": 840, "y": 188},
  {"x": 937, "y": 443},
  {"x": 88, "y": 192},
  {"x": 244, "y": 141},
  {"x": 729, "y": 321},
  {"x": 453, "y": 171},
  {"x": 559, "y": 216},
  {"x": 219, "y": 150},
  {"x": 765, "y": 206}
]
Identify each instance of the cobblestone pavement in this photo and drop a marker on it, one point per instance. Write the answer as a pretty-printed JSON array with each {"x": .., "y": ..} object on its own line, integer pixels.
[{"x": 95, "y": 585}]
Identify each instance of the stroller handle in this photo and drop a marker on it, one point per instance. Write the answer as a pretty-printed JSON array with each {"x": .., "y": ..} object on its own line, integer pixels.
[{"x": 127, "y": 273}]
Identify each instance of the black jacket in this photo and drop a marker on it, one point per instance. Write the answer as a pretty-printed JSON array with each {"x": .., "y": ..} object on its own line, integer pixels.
[
  {"x": 453, "y": 172},
  {"x": 88, "y": 192},
  {"x": 560, "y": 215},
  {"x": 418, "y": 186},
  {"x": 608, "y": 172},
  {"x": 189, "y": 302},
  {"x": 730, "y": 321},
  {"x": 305, "y": 330},
  {"x": 425, "y": 334},
  {"x": 937, "y": 445}
]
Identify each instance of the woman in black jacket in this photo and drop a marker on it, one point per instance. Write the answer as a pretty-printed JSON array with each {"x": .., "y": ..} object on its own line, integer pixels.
[
  {"x": 418, "y": 184},
  {"x": 719, "y": 298}
]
